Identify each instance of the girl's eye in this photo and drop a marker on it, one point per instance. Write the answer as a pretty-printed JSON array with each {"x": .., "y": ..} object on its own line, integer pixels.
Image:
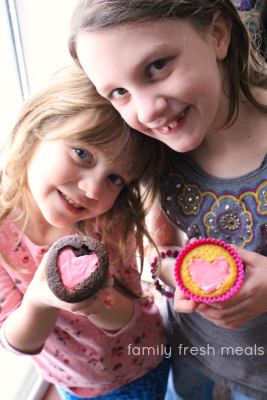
[
  {"x": 83, "y": 154},
  {"x": 156, "y": 66},
  {"x": 118, "y": 93},
  {"x": 116, "y": 180}
]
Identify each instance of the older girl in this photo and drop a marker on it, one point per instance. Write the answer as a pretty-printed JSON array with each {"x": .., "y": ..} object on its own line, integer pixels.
[{"x": 187, "y": 73}]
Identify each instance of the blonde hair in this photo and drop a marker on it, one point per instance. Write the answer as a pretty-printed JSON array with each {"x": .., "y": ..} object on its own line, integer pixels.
[
  {"x": 243, "y": 64},
  {"x": 69, "y": 93}
]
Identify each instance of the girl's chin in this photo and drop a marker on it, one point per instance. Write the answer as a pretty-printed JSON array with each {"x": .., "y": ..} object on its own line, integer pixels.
[
  {"x": 180, "y": 148},
  {"x": 186, "y": 146},
  {"x": 58, "y": 222}
]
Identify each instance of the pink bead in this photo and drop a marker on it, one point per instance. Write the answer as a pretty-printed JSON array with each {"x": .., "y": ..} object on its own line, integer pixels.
[
  {"x": 162, "y": 254},
  {"x": 175, "y": 253},
  {"x": 168, "y": 253},
  {"x": 169, "y": 295}
]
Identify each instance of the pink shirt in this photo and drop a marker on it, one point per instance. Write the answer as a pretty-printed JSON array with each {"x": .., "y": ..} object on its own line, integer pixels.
[{"x": 79, "y": 356}]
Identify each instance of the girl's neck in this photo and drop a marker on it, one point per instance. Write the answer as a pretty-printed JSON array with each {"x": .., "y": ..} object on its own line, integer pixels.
[
  {"x": 39, "y": 232},
  {"x": 239, "y": 149}
]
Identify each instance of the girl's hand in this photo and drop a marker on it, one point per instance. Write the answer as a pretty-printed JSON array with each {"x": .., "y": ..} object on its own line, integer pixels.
[
  {"x": 39, "y": 294},
  {"x": 248, "y": 302},
  {"x": 29, "y": 326},
  {"x": 184, "y": 304}
]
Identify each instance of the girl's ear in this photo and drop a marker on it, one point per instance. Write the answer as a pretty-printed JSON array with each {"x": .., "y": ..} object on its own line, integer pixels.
[{"x": 221, "y": 33}]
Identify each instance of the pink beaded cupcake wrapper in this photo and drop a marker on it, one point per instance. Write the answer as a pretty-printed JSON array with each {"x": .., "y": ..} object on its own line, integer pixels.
[{"x": 191, "y": 246}]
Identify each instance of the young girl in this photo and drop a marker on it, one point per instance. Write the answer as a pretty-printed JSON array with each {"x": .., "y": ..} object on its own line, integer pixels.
[
  {"x": 72, "y": 165},
  {"x": 187, "y": 74}
]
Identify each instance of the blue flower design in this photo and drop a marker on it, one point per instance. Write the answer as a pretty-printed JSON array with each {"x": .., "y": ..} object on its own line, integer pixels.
[
  {"x": 230, "y": 221},
  {"x": 261, "y": 198},
  {"x": 190, "y": 200}
]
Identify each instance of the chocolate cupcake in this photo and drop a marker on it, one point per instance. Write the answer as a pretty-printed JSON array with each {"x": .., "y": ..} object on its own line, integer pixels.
[{"x": 76, "y": 268}]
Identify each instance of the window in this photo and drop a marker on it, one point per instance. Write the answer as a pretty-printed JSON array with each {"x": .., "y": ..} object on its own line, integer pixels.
[{"x": 33, "y": 45}]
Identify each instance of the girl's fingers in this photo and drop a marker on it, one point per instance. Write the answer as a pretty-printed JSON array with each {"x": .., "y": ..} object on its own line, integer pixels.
[
  {"x": 93, "y": 305},
  {"x": 183, "y": 304},
  {"x": 109, "y": 282},
  {"x": 230, "y": 318},
  {"x": 231, "y": 322},
  {"x": 248, "y": 257},
  {"x": 40, "y": 270},
  {"x": 109, "y": 301}
]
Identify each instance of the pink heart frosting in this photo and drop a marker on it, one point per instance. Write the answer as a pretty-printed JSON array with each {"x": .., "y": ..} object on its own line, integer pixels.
[
  {"x": 209, "y": 276},
  {"x": 74, "y": 269}
]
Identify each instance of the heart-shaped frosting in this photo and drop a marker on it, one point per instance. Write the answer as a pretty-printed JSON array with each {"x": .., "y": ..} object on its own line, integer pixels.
[
  {"x": 74, "y": 269},
  {"x": 209, "y": 276}
]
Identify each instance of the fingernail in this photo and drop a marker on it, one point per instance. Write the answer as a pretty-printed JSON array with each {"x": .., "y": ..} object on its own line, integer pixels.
[{"x": 109, "y": 302}]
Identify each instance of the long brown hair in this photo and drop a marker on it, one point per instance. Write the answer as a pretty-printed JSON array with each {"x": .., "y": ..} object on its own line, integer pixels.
[
  {"x": 69, "y": 93},
  {"x": 243, "y": 64}
]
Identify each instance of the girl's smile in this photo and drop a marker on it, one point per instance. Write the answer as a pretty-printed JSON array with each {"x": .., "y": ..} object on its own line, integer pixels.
[
  {"x": 175, "y": 123},
  {"x": 165, "y": 78},
  {"x": 70, "y": 204},
  {"x": 77, "y": 182}
]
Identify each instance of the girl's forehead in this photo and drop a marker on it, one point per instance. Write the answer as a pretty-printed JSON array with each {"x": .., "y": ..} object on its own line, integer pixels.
[
  {"x": 135, "y": 30},
  {"x": 69, "y": 124}
]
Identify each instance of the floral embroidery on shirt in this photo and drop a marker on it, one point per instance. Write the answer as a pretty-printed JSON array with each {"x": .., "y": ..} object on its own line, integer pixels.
[
  {"x": 62, "y": 336},
  {"x": 95, "y": 360},
  {"x": 261, "y": 198},
  {"x": 117, "y": 351},
  {"x": 229, "y": 217},
  {"x": 226, "y": 216},
  {"x": 117, "y": 366},
  {"x": 138, "y": 364},
  {"x": 20, "y": 247},
  {"x": 138, "y": 339},
  {"x": 43, "y": 250},
  {"x": 190, "y": 200},
  {"x": 56, "y": 354}
]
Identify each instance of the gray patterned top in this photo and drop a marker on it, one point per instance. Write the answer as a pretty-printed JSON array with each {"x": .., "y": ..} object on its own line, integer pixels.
[{"x": 235, "y": 211}]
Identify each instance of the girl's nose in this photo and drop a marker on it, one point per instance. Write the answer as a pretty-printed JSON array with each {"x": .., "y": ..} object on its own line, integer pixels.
[
  {"x": 92, "y": 188},
  {"x": 149, "y": 108}
]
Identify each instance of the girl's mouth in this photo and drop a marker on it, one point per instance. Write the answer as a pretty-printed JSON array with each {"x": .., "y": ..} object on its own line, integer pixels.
[
  {"x": 70, "y": 201},
  {"x": 69, "y": 204},
  {"x": 175, "y": 124}
]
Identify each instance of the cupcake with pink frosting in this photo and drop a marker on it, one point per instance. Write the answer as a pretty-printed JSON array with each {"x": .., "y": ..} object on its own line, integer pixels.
[
  {"x": 76, "y": 267},
  {"x": 208, "y": 270}
]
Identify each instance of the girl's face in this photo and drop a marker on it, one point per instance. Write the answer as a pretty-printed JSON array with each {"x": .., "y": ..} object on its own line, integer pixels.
[
  {"x": 72, "y": 182},
  {"x": 164, "y": 78}
]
